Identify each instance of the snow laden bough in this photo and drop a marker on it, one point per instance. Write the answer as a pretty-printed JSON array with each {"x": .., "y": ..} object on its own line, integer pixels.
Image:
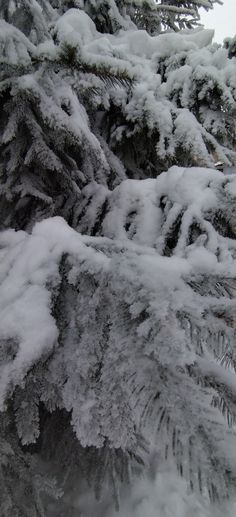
[
  {"x": 120, "y": 347},
  {"x": 81, "y": 105}
]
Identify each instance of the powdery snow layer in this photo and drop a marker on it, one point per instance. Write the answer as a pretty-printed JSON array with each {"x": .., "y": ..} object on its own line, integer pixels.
[
  {"x": 28, "y": 265},
  {"x": 145, "y": 213},
  {"x": 78, "y": 26}
]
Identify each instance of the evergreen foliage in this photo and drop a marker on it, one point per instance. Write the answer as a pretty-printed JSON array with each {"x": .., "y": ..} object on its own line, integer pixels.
[
  {"x": 230, "y": 44},
  {"x": 70, "y": 114},
  {"x": 117, "y": 282}
]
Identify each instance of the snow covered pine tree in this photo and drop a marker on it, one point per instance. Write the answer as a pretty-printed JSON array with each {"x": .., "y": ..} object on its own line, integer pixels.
[{"x": 117, "y": 252}]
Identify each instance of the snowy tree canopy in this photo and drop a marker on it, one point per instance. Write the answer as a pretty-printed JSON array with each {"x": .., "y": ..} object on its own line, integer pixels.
[
  {"x": 152, "y": 15},
  {"x": 79, "y": 105},
  {"x": 117, "y": 250}
]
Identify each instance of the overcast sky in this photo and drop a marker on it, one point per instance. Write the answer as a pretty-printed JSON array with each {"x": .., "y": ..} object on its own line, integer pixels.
[{"x": 222, "y": 18}]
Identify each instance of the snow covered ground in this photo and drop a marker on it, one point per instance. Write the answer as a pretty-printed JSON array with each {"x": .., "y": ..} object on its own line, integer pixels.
[
  {"x": 230, "y": 170},
  {"x": 166, "y": 496}
]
